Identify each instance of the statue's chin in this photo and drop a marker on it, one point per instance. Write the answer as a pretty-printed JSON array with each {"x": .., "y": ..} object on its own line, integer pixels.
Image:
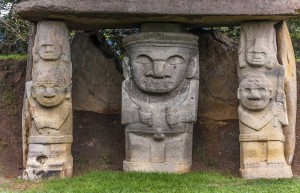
[
  {"x": 255, "y": 107},
  {"x": 49, "y": 102}
]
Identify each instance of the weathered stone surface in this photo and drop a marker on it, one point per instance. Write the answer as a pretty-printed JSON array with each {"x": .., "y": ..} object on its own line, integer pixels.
[
  {"x": 263, "y": 108},
  {"x": 218, "y": 58},
  {"x": 47, "y": 111},
  {"x": 286, "y": 57},
  {"x": 96, "y": 82},
  {"x": 93, "y": 14},
  {"x": 159, "y": 100}
]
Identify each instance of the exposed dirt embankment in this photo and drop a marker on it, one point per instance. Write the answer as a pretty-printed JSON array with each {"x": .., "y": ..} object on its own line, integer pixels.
[{"x": 12, "y": 82}]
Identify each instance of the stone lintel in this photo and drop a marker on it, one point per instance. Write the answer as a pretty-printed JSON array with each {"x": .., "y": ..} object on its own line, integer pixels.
[{"x": 95, "y": 14}]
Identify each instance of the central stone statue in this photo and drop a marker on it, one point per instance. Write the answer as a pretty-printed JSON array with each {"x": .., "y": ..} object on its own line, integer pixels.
[{"x": 159, "y": 100}]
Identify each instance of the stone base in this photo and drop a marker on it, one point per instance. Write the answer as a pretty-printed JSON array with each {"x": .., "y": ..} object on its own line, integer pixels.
[
  {"x": 267, "y": 172},
  {"x": 168, "y": 167},
  {"x": 37, "y": 174}
]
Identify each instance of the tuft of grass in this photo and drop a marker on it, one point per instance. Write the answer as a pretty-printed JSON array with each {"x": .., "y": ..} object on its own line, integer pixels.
[
  {"x": 110, "y": 182},
  {"x": 18, "y": 57}
]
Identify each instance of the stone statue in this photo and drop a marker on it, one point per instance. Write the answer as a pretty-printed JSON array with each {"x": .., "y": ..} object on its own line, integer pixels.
[
  {"x": 258, "y": 45},
  {"x": 263, "y": 108},
  {"x": 47, "y": 132},
  {"x": 159, "y": 100}
]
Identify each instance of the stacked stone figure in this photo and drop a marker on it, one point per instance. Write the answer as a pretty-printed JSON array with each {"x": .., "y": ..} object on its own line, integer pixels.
[
  {"x": 47, "y": 113},
  {"x": 263, "y": 108},
  {"x": 159, "y": 100}
]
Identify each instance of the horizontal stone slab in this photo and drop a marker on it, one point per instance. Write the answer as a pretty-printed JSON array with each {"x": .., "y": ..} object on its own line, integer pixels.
[{"x": 94, "y": 14}]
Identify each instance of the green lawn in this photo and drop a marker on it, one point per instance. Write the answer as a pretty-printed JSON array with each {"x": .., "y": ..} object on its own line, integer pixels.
[
  {"x": 13, "y": 57},
  {"x": 154, "y": 182}
]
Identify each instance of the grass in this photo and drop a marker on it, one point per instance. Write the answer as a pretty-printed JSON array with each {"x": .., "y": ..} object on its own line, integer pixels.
[
  {"x": 111, "y": 182},
  {"x": 18, "y": 57}
]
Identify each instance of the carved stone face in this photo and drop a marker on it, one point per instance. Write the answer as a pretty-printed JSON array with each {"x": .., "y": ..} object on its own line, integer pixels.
[
  {"x": 255, "y": 93},
  {"x": 257, "y": 57},
  {"x": 159, "y": 69},
  {"x": 49, "y": 94},
  {"x": 49, "y": 50},
  {"x": 258, "y": 53}
]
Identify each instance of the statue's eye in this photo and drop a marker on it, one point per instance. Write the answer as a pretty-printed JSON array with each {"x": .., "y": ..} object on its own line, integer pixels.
[
  {"x": 143, "y": 59},
  {"x": 176, "y": 60},
  {"x": 248, "y": 90},
  {"x": 262, "y": 90},
  {"x": 57, "y": 87},
  {"x": 41, "y": 87}
]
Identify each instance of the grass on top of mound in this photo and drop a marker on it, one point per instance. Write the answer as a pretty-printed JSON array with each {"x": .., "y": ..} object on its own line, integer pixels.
[
  {"x": 18, "y": 57},
  {"x": 156, "y": 183}
]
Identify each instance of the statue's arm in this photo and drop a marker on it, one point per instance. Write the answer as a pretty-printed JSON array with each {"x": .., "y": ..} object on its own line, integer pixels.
[
  {"x": 130, "y": 112},
  {"x": 187, "y": 111}
]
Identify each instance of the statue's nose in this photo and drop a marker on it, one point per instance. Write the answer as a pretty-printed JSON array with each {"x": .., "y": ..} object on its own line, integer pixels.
[
  {"x": 49, "y": 49},
  {"x": 49, "y": 93},
  {"x": 254, "y": 94},
  {"x": 257, "y": 55},
  {"x": 159, "y": 69}
]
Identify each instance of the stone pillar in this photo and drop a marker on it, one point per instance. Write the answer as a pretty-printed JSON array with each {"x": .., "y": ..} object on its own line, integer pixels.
[
  {"x": 160, "y": 98},
  {"x": 47, "y": 111},
  {"x": 263, "y": 110}
]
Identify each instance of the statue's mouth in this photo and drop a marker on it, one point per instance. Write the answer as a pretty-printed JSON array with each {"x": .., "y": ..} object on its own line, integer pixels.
[
  {"x": 258, "y": 61},
  {"x": 157, "y": 83},
  {"x": 254, "y": 99},
  {"x": 50, "y": 56}
]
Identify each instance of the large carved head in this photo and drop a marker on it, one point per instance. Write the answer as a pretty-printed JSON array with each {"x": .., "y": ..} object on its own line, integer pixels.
[
  {"x": 255, "y": 92},
  {"x": 51, "y": 42},
  {"x": 258, "y": 54},
  {"x": 258, "y": 45},
  {"x": 50, "y": 92},
  {"x": 158, "y": 62},
  {"x": 49, "y": 49}
]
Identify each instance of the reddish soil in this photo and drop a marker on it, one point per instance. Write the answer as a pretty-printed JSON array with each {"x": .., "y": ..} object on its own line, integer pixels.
[
  {"x": 99, "y": 139},
  {"x": 12, "y": 82}
]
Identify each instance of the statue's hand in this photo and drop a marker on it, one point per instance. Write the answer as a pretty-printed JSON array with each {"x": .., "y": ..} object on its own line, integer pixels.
[
  {"x": 146, "y": 117},
  {"x": 277, "y": 109},
  {"x": 280, "y": 97},
  {"x": 172, "y": 115}
]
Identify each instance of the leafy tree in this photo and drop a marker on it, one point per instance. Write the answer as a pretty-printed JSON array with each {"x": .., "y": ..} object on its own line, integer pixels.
[
  {"x": 294, "y": 27},
  {"x": 13, "y": 31}
]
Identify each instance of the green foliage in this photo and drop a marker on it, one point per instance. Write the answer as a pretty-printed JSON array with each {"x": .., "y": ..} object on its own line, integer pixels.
[
  {"x": 13, "y": 31},
  {"x": 294, "y": 27},
  {"x": 232, "y": 32},
  {"x": 114, "y": 39},
  {"x": 161, "y": 183},
  {"x": 19, "y": 57}
]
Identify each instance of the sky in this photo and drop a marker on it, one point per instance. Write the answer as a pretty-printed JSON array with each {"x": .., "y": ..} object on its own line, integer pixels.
[{"x": 5, "y": 11}]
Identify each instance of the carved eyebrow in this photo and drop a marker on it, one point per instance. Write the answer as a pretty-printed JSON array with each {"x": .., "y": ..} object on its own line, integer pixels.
[{"x": 142, "y": 57}]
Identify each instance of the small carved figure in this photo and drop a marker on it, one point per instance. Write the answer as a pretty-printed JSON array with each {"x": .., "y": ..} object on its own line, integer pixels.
[
  {"x": 262, "y": 119},
  {"x": 47, "y": 114},
  {"x": 159, "y": 103},
  {"x": 50, "y": 107},
  {"x": 266, "y": 137}
]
